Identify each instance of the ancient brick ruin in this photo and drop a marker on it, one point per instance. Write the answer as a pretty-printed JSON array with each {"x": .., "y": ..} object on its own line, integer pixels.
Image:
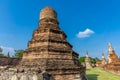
[
  {"x": 88, "y": 63},
  {"x": 49, "y": 56},
  {"x": 113, "y": 64},
  {"x": 102, "y": 62}
]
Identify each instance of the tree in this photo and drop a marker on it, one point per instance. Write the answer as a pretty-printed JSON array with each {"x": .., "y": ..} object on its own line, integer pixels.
[
  {"x": 93, "y": 60},
  {"x": 18, "y": 54},
  {"x": 97, "y": 59},
  {"x": 2, "y": 55},
  {"x": 82, "y": 59}
]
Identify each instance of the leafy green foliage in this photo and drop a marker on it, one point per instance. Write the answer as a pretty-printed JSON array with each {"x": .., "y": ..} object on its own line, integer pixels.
[
  {"x": 93, "y": 60},
  {"x": 97, "y": 59},
  {"x": 81, "y": 59},
  {"x": 18, "y": 54},
  {"x": 2, "y": 55}
]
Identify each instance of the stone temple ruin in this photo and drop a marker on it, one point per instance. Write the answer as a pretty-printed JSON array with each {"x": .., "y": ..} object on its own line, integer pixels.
[
  {"x": 102, "y": 62},
  {"x": 88, "y": 63},
  {"x": 113, "y": 64},
  {"x": 49, "y": 56}
]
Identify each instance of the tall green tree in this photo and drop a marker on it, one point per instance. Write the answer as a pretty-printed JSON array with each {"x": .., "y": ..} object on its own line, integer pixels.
[{"x": 18, "y": 54}]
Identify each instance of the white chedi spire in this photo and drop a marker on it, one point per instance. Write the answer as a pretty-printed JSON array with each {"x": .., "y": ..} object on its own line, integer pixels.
[
  {"x": 103, "y": 55},
  {"x": 110, "y": 48},
  {"x": 87, "y": 54}
]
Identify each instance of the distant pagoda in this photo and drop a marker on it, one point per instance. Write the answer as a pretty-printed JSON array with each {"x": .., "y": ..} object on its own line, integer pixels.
[
  {"x": 87, "y": 61},
  {"x": 49, "y": 50},
  {"x": 103, "y": 62},
  {"x": 112, "y": 57},
  {"x": 113, "y": 64}
]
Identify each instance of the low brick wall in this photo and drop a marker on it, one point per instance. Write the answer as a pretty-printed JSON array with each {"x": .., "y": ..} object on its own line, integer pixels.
[
  {"x": 9, "y": 61},
  {"x": 21, "y": 74},
  {"x": 113, "y": 68}
]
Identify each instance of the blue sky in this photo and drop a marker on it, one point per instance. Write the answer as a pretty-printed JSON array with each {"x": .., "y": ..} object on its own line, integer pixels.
[{"x": 89, "y": 24}]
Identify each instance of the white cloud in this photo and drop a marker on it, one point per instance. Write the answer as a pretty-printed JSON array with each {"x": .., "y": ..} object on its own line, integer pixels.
[
  {"x": 8, "y": 49},
  {"x": 86, "y": 33}
]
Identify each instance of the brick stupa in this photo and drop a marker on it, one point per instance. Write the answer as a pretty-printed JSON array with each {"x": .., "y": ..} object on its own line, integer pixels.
[
  {"x": 103, "y": 62},
  {"x": 112, "y": 57},
  {"x": 50, "y": 51},
  {"x": 88, "y": 63},
  {"x": 113, "y": 64}
]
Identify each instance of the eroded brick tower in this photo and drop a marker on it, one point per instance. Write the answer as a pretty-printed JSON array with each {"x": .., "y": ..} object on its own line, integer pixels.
[
  {"x": 49, "y": 50},
  {"x": 87, "y": 61},
  {"x": 112, "y": 57},
  {"x": 103, "y": 60}
]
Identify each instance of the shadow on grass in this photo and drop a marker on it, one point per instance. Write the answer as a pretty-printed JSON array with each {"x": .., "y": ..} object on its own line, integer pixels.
[{"x": 92, "y": 76}]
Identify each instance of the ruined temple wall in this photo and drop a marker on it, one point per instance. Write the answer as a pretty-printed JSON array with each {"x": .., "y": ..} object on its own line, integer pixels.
[
  {"x": 63, "y": 46},
  {"x": 36, "y": 74},
  {"x": 35, "y": 54},
  {"x": 9, "y": 61},
  {"x": 113, "y": 68},
  {"x": 58, "y": 35},
  {"x": 59, "y": 55},
  {"x": 112, "y": 57},
  {"x": 20, "y": 74},
  {"x": 103, "y": 62},
  {"x": 40, "y": 33},
  {"x": 45, "y": 54},
  {"x": 37, "y": 44}
]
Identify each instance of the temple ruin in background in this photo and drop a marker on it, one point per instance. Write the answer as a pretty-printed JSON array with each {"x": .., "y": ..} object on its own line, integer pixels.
[
  {"x": 88, "y": 63},
  {"x": 113, "y": 64}
]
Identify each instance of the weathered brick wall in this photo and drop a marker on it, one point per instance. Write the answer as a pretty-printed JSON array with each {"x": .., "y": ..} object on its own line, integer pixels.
[
  {"x": 20, "y": 74},
  {"x": 9, "y": 61},
  {"x": 113, "y": 67}
]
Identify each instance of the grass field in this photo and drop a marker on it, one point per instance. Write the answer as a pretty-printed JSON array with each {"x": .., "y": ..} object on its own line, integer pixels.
[{"x": 98, "y": 74}]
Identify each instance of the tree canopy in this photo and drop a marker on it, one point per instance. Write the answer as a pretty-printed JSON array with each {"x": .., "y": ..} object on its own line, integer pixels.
[
  {"x": 93, "y": 60},
  {"x": 18, "y": 54},
  {"x": 2, "y": 55}
]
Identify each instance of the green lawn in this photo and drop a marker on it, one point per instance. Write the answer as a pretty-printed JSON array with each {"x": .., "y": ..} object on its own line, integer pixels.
[{"x": 98, "y": 74}]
